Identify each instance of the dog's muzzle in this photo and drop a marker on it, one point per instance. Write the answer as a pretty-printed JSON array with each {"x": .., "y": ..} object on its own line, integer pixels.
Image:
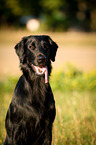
[{"x": 41, "y": 71}]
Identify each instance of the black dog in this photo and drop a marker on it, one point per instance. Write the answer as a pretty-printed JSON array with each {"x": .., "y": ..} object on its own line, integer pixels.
[{"x": 32, "y": 110}]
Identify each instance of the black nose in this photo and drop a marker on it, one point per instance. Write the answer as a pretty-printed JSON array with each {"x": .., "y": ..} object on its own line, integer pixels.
[{"x": 41, "y": 59}]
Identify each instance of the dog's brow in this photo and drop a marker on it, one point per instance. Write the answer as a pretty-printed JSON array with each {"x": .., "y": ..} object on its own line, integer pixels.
[{"x": 43, "y": 42}]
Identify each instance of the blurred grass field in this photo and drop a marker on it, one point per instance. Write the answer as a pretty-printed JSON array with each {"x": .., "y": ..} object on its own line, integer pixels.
[{"x": 74, "y": 89}]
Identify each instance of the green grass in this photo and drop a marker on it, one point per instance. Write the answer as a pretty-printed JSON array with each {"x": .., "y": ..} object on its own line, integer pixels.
[
  {"x": 73, "y": 79},
  {"x": 75, "y": 96},
  {"x": 6, "y": 90},
  {"x": 75, "y": 122}
]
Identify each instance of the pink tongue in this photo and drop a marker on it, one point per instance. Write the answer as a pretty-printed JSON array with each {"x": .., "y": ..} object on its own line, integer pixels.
[
  {"x": 46, "y": 76},
  {"x": 41, "y": 71}
]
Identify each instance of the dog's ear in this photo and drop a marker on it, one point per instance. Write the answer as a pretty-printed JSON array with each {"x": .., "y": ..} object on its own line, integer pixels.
[
  {"x": 20, "y": 48},
  {"x": 54, "y": 47}
]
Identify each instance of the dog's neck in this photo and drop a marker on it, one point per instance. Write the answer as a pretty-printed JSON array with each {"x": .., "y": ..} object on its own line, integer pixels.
[{"x": 38, "y": 86}]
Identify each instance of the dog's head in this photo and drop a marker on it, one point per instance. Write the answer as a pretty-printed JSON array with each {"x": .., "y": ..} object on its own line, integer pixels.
[{"x": 36, "y": 51}]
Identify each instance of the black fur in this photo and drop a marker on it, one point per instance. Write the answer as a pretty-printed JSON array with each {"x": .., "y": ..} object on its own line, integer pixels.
[{"x": 32, "y": 111}]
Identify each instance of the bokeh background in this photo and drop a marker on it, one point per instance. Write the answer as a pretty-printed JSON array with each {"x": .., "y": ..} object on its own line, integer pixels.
[{"x": 72, "y": 25}]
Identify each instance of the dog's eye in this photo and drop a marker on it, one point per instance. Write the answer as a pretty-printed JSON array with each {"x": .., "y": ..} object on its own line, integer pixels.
[
  {"x": 32, "y": 46},
  {"x": 45, "y": 46}
]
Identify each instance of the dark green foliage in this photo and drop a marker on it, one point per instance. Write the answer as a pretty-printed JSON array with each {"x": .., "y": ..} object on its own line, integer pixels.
[{"x": 55, "y": 14}]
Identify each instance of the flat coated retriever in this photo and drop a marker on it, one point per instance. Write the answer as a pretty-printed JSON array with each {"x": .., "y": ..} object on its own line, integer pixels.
[{"x": 32, "y": 111}]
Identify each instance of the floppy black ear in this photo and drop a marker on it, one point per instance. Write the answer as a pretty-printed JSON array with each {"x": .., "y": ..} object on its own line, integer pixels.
[
  {"x": 54, "y": 47},
  {"x": 19, "y": 48}
]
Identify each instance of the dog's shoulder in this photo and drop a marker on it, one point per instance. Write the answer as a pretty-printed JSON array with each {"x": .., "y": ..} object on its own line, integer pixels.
[
  {"x": 22, "y": 86},
  {"x": 21, "y": 92}
]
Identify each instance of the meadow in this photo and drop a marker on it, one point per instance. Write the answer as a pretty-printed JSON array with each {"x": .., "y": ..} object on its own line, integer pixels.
[
  {"x": 75, "y": 95},
  {"x": 74, "y": 91}
]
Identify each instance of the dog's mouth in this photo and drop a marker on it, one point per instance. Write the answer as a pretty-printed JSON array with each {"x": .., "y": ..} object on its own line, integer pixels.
[{"x": 40, "y": 71}]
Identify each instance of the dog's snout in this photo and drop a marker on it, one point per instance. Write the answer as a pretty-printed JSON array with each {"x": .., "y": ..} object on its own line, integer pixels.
[{"x": 41, "y": 58}]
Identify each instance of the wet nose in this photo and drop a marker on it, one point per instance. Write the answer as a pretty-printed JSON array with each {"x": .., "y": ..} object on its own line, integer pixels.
[{"x": 41, "y": 58}]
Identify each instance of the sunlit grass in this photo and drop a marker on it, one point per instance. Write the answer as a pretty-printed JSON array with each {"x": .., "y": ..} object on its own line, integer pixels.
[
  {"x": 6, "y": 90},
  {"x": 71, "y": 79},
  {"x": 75, "y": 122},
  {"x": 4, "y": 104}
]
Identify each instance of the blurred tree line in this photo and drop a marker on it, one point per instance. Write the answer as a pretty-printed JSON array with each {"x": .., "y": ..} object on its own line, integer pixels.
[{"x": 55, "y": 14}]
